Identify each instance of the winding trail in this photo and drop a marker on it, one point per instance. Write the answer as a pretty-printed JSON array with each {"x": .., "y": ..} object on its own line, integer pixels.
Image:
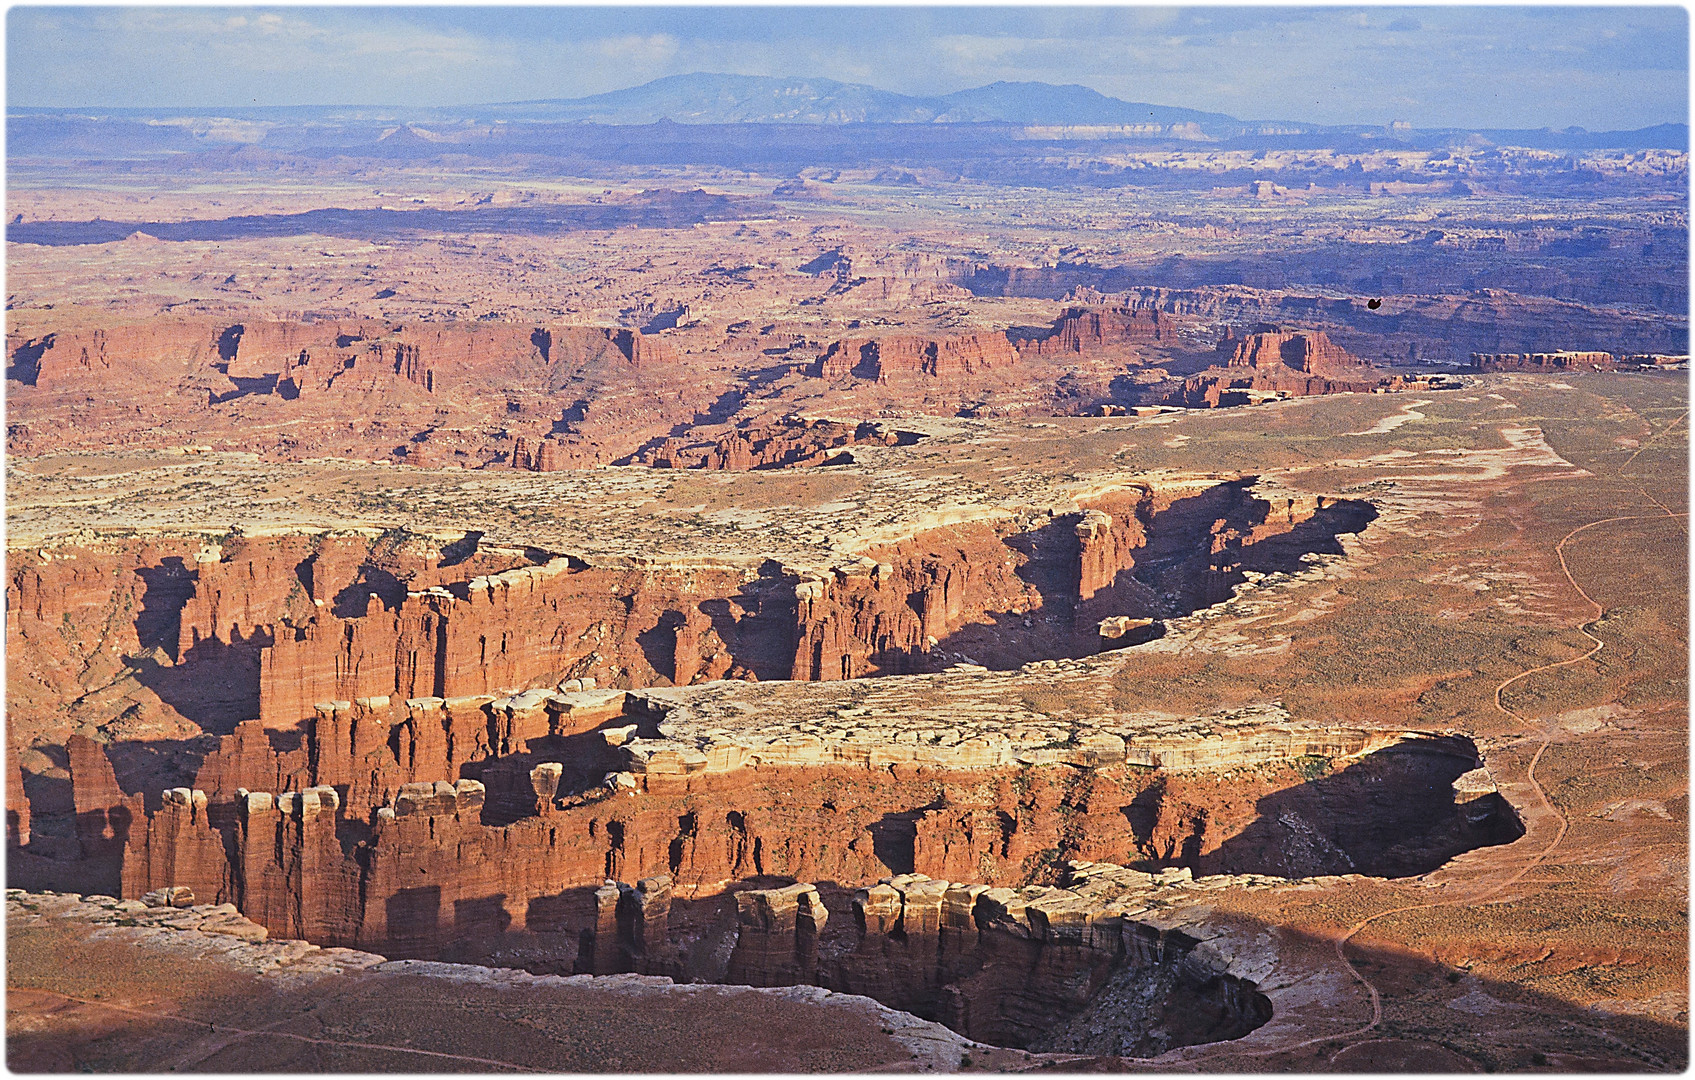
[
  {"x": 1490, "y": 891},
  {"x": 1536, "y": 759},
  {"x": 1529, "y": 775}
]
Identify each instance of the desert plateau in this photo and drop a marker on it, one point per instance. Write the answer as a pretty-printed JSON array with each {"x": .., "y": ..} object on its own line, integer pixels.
[{"x": 762, "y": 573}]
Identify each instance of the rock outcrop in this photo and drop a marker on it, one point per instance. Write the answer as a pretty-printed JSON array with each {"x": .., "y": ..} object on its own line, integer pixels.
[
  {"x": 777, "y": 934},
  {"x": 441, "y": 860},
  {"x": 103, "y": 814},
  {"x": 1081, "y": 330},
  {"x": 177, "y": 637},
  {"x": 880, "y": 359},
  {"x": 539, "y": 624},
  {"x": 416, "y": 393},
  {"x": 1017, "y": 967},
  {"x": 792, "y": 442},
  {"x": 1545, "y": 361},
  {"x": 1269, "y": 361}
]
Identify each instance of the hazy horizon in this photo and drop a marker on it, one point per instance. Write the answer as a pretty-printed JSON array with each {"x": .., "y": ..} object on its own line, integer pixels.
[{"x": 1599, "y": 68}]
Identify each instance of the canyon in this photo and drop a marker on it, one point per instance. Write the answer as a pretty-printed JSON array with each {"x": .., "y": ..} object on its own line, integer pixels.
[
  {"x": 233, "y": 628},
  {"x": 407, "y": 729},
  {"x": 443, "y": 746},
  {"x": 944, "y": 597},
  {"x": 488, "y": 395}
]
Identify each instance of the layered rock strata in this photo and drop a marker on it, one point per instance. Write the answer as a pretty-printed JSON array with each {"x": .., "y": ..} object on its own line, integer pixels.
[
  {"x": 1544, "y": 361},
  {"x": 1272, "y": 361},
  {"x": 413, "y": 393},
  {"x": 1016, "y": 967},
  {"x": 216, "y": 632},
  {"x": 880, "y": 359},
  {"x": 439, "y": 861},
  {"x": 1085, "y": 330}
]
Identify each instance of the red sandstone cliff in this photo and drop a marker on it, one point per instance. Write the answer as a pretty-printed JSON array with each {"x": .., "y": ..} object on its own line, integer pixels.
[
  {"x": 1554, "y": 361},
  {"x": 880, "y": 359},
  {"x": 1272, "y": 361},
  {"x": 355, "y": 387},
  {"x": 1089, "y": 330},
  {"x": 437, "y": 861},
  {"x": 524, "y": 627},
  {"x": 151, "y": 354}
]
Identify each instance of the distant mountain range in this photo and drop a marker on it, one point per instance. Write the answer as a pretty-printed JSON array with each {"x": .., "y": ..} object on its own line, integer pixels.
[
  {"x": 700, "y": 100},
  {"x": 759, "y": 99}
]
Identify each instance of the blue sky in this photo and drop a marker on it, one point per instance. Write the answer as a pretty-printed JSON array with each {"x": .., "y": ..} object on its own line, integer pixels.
[{"x": 1595, "y": 67}]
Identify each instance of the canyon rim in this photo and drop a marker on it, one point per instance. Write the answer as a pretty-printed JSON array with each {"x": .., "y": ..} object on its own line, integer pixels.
[{"x": 921, "y": 552}]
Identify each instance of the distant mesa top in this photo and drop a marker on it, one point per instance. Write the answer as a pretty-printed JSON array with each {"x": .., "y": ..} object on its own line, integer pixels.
[{"x": 676, "y": 102}]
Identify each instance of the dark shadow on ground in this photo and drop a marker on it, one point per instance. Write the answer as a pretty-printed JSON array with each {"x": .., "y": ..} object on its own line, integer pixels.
[{"x": 1389, "y": 814}]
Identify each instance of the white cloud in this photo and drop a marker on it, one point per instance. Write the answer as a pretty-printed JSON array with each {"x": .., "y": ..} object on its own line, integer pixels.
[
  {"x": 1479, "y": 66},
  {"x": 650, "y": 49}
]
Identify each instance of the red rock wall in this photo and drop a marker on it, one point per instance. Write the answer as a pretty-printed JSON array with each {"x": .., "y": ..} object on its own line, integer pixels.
[
  {"x": 881, "y": 358},
  {"x": 73, "y": 614},
  {"x": 291, "y": 874},
  {"x": 460, "y": 350},
  {"x": 381, "y": 866},
  {"x": 160, "y": 351},
  {"x": 349, "y": 387},
  {"x": 1310, "y": 352},
  {"x": 144, "y": 629},
  {"x": 178, "y": 846},
  {"x": 247, "y": 591},
  {"x": 1088, "y": 330},
  {"x": 1271, "y": 360},
  {"x": 519, "y": 629},
  {"x": 102, "y": 814},
  {"x": 428, "y": 877},
  {"x": 883, "y": 617},
  {"x": 908, "y": 598},
  {"x": 1557, "y": 361}
]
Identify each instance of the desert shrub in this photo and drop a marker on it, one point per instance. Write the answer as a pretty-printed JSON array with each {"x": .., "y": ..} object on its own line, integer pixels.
[{"x": 1311, "y": 766}]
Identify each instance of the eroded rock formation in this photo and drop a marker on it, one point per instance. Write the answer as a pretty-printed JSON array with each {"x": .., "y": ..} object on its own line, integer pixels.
[
  {"x": 879, "y": 359},
  {"x": 1096, "y": 329},
  {"x": 175, "y": 638},
  {"x": 1272, "y": 361},
  {"x": 414, "y": 392},
  {"x": 521, "y": 848},
  {"x": 791, "y": 442},
  {"x": 1545, "y": 361},
  {"x": 543, "y": 397}
]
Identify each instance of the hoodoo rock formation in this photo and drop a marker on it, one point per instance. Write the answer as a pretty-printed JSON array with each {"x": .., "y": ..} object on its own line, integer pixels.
[{"x": 415, "y": 866}]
